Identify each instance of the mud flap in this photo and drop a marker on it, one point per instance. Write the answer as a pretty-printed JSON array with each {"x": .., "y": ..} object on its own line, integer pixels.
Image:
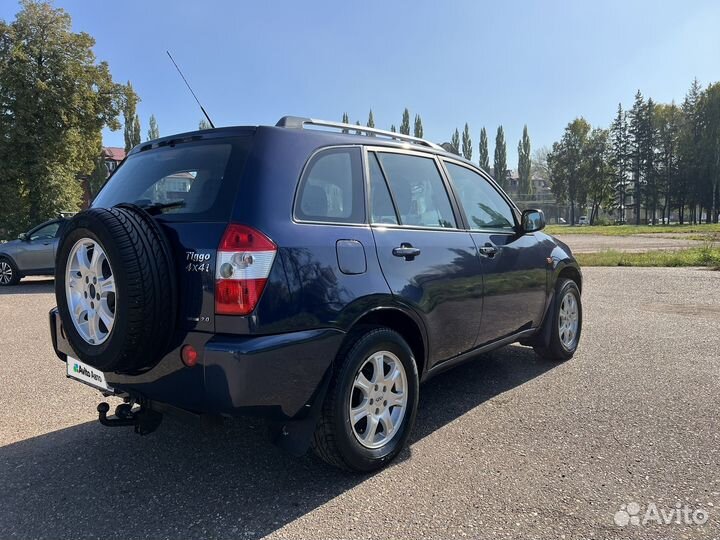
[{"x": 295, "y": 436}]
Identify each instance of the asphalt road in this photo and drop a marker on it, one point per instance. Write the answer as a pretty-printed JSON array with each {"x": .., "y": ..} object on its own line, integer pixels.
[{"x": 506, "y": 446}]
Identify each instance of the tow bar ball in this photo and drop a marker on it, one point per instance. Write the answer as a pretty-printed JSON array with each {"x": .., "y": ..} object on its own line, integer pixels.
[{"x": 144, "y": 420}]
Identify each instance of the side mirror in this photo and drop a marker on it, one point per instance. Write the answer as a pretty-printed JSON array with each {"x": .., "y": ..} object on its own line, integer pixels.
[
  {"x": 533, "y": 220},
  {"x": 22, "y": 236}
]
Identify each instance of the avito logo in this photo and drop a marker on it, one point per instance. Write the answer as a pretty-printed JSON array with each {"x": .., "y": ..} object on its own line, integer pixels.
[{"x": 81, "y": 370}]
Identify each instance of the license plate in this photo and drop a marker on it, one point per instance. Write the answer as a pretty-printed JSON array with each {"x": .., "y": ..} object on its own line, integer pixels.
[{"x": 87, "y": 374}]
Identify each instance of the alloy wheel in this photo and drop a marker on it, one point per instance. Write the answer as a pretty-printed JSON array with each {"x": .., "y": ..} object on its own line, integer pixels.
[
  {"x": 90, "y": 291},
  {"x": 569, "y": 320},
  {"x": 6, "y": 273},
  {"x": 378, "y": 399}
]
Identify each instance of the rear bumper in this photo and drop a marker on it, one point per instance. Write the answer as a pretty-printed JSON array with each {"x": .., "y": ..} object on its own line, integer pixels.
[{"x": 279, "y": 376}]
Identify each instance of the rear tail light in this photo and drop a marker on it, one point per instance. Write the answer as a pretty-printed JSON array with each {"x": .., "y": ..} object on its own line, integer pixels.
[{"x": 244, "y": 259}]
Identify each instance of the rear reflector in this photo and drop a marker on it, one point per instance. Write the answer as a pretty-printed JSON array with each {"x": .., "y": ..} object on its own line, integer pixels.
[
  {"x": 245, "y": 257},
  {"x": 189, "y": 355}
]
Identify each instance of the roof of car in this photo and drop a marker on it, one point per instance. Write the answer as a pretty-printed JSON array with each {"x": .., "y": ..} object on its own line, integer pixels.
[{"x": 317, "y": 129}]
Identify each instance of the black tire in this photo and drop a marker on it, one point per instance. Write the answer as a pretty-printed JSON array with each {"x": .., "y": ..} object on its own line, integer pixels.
[
  {"x": 334, "y": 440},
  {"x": 145, "y": 299},
  {"x": 14, "y": 273},
  {"x": 554, "y": 349}
]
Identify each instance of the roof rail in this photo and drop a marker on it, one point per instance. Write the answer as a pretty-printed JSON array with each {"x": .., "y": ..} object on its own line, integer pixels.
[{"x": 297, "y": 122}]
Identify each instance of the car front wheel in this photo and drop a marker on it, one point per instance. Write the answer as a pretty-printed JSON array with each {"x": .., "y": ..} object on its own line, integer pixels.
[
  {"x": 564, "y": 321},
  {"x": 8, "y": 273},
  {"x": 370, "y": 407}
]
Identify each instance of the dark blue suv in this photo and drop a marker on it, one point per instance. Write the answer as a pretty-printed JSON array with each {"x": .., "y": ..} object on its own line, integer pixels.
[{"x": 304, "y": 273}]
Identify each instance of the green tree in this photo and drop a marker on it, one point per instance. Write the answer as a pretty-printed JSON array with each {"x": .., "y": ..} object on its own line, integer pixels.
[
  {"x": 638, "y": 150},
  {"x": 131, "y": 120},
  {"x": 203, "y": 124},
  {"x": 597, "y": 172},
  {"x": 418, "y": 127},
  {"x": 709, "y": 107},
  {"x": 484, "y": 153},
  {"x": 345, "y": 120},
  {"x": 55, "y": 99},
  {"x": 97, "y": 178},
  {"x": 455, "y": 142},
  {"x": 565, "y": 162},
  {"x": 153, "y": 130},
  {"x": 667, "y": 120},
  {"x": 405, "y": 124},
  {"x": 466, "y": 143},
  {"x": 358, "y": 131},
  {"x": 524, "y": 164},
  {"x": 620, "y": 141},
  {"x": 393, "y": 128},
  {"x": 688, "y": 153},
  {"x": 500, "y": 158},
  {"x": 371, "y": 123}
]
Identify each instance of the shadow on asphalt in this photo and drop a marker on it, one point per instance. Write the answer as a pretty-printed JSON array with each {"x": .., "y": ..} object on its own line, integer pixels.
[
  {"x": 32, "y": 286},
  {"x": 229, "y": 481}
]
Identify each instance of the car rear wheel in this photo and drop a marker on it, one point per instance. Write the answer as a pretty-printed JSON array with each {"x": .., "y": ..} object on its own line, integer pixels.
[
  {"x": 565, "y": 323},
  {"x": 8, "y": 272},
  {"x": 371, "y": 404}
]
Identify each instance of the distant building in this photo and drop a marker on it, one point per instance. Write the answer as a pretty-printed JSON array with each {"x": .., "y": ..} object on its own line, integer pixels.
[{"x": 113, "y": 156}]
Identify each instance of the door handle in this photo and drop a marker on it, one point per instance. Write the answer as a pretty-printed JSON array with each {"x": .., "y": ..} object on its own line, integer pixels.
[
  {"x": 407, "y": 251},
  {"x": 488, "y": 250}
]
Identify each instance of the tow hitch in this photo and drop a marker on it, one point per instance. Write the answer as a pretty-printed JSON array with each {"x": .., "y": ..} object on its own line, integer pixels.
[{"x": 144, "y": 419}]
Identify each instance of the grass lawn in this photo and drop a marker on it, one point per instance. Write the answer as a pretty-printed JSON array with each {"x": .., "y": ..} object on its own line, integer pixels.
[
  {"x": 627, "y": 230},
  {"x": 702, "y": 256}
]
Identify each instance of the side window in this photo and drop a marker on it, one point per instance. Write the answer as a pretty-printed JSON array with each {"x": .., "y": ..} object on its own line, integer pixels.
[
  {"x": 332, "y": 188},
  {"x": 484, "y": 206},
  {"x": 381, "y": 205},
  {"x": 46, "y": 232},
  {"x": 418, "y": 190}
]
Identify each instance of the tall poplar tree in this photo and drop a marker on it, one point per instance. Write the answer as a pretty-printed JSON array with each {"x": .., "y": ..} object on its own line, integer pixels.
[
  {"x": 131, "y": 119},
  {"x": 345, "y": 120},
  {"x": 153, "y": 130},
  {"x": 418, "y": 127},
  {"x": 500, "y": 158},
  {"x": 466, "y": 143},
  {"x": 455, "y": 142},
  {"x": 524, "y": 164},
  {"x": 484, "y": 153},
  {"x": 405, "y": 125}
]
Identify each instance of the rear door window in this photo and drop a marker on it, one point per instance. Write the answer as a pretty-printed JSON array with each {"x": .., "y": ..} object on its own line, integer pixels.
[
  {"x": 418, "y": 190},
  {"x": 331, "y": 189},
  {"x": 197, "y": 180}
]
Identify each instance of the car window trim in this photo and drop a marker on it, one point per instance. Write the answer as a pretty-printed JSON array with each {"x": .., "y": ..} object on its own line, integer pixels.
[
  {"x": 459, "y": 219},
  {"x": 493, "y": 184},
  {"x": 309, "y": 160},
  {"x": 387, "y": 185}
]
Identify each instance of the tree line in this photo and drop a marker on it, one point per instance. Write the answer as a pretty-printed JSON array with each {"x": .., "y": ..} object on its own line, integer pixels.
[
  {"x": 461, "y": 145},
  {"x": 656, "y": 162}
]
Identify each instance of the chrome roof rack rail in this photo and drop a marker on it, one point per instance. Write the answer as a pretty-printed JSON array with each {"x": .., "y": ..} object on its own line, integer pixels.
[{"x": 297, "y": 122}]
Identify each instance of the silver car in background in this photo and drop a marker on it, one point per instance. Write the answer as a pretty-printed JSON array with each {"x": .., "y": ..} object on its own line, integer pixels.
[{"x": 32, "y": 254}]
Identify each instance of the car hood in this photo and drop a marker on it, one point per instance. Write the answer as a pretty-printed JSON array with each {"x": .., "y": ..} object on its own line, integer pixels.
[{"x": 10, "y": 246}]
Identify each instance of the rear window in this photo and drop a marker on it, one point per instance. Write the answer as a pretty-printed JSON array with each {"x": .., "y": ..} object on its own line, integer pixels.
[
  {"x": 197, "y": 180},
  {"x": 331, "y": 189}
]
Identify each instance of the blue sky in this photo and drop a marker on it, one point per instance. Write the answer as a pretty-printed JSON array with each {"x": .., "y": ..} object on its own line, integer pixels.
[{"x": 486, "y": 63}]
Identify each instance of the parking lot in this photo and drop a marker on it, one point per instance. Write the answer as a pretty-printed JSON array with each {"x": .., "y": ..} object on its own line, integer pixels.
[{"x": 504, "y": 446}]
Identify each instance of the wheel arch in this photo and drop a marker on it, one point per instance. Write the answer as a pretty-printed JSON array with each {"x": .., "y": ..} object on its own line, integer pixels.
[
  {"x": 408, "y": 326},
  {"x": 570, "y": 271}
]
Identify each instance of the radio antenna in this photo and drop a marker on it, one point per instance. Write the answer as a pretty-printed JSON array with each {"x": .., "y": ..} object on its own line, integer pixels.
[{"x": 191, "y": 90}]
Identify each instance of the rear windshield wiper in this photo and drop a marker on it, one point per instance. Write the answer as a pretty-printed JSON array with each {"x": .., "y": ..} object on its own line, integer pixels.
[{"x": 157, "y": 208}]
